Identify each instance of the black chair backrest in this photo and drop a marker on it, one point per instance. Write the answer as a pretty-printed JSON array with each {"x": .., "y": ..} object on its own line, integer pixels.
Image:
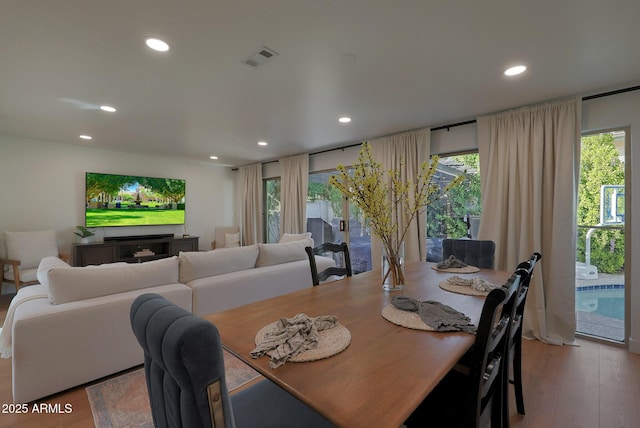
[
  {"x": 521, "y": 299},
  {"x": 514, "y": 340},
  {"x": 478, "y": 253},
  {"x": 335, "y": 250},
  {"x": 183, "y": 365},
  {"x": 487, "y": 354}
]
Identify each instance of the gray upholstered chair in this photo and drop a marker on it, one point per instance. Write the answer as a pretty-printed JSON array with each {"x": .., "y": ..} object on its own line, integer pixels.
[
  {"x": 473, "y": 252},
  {"x": 184, "y": 368}
]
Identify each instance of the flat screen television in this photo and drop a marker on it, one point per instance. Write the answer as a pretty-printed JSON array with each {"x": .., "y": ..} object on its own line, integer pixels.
[{"x": 128, "y": 200}]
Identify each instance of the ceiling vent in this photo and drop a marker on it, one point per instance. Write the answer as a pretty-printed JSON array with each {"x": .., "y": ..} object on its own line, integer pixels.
[{"x": 263, "y": 55}]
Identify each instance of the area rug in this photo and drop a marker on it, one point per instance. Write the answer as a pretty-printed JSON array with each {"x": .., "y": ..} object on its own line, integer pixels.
[{"x": 122, "y": 402}]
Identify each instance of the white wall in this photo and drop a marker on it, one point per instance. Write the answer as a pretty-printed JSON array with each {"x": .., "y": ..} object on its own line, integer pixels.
[
  {"x": 42, "y": 187},
  {"x": 319, "y": 162},
  {"x": 455, "y": 140}
]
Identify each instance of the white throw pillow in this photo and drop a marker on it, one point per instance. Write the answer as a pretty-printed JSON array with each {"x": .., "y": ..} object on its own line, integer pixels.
[
  {"x": 201, "y": 264},
  {"x": 31, "y": 247},
  {"x": 290, "y": 237},
  {"x": 80, "y": 283},
  {"x": 275, "y": 254},
  {"x": 46, "y": 265},
  {"x": 231, "y": 240}
]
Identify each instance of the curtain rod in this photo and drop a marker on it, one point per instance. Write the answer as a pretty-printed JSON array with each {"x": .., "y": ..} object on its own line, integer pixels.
[
  {"x": 587, "y": 98},
  {"x": 606, "y": 94},
  {"x": 468, "y": 122},
  {"x": 336, "y": 148}
]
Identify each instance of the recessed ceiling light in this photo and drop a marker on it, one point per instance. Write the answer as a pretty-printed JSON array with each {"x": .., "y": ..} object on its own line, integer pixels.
[
  {"x": 262, "y": 143},
  {"x": 157, "y": 44},
  {"x": 108, "y": 108},
  {"x": 213, "y": 157},
  {"x": 344, "y": 119},
  {"x": 518, "y": 69},
  {"x": 86, "y": 137}
]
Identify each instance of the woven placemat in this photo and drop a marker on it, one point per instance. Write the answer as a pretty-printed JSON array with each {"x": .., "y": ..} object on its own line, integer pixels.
[
  {"x": 466, "y": 269},
  {"x": 404, "y": 318},
  {"x": 462, "y": 289},
  {"x": 330, "y": 342}
]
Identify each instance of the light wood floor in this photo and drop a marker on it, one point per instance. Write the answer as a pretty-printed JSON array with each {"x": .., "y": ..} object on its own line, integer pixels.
[{"x": 590, "y": 385}]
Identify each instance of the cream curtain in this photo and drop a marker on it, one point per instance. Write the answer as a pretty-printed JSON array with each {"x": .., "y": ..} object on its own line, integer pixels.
[
  {"x": 405, "y": 152},
  {"x": 250, "y": 185},
  {"x": 293, "y": 194},
  {"x": 529, "y": 163}
]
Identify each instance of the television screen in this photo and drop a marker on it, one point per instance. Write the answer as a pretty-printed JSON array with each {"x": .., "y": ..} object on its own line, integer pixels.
[{"x": 127, "y": 200}]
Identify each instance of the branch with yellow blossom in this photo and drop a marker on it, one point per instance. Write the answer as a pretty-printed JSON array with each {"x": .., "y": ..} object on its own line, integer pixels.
[{"x": 391, "y": 204}]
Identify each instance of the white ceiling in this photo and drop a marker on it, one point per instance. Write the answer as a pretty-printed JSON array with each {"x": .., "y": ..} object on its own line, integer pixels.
[{"x": 417, "y": 63}]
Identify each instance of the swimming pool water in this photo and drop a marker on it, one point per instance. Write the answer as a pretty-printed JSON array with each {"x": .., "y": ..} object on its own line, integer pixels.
[{"x": 606, "y": 300}]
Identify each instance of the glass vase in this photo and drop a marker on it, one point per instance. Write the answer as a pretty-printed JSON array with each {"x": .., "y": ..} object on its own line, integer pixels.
[{"x": 393, "y": 269}]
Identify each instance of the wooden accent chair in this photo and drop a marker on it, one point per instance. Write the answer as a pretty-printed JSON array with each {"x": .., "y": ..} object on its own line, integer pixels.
[
  {"x": 24, "y": 252},
  {"x": 329, "y": 248},
  {"x": 473, "y": 252},
  {"x": 184, "y": 369}
]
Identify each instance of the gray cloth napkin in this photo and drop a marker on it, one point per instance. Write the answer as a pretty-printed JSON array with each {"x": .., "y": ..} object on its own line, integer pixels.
[
  {"x": 451, "y": 262},
  {"x": 292, "y": 336},
  {"x": 435, "y": 314},
  {"x": 475, "y": 283}
]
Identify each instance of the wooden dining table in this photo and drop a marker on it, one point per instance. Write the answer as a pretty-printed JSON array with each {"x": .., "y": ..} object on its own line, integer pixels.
[{"x": 386, "y": 371}]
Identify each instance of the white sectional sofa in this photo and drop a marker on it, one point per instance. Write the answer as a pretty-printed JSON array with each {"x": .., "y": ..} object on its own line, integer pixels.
[
  {"x": 226, "y": 278},
  {"x": 74, "y": 327}
]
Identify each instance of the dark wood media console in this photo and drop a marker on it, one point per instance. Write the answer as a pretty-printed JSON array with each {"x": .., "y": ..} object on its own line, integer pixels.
[{"x": 135, "y": 249}]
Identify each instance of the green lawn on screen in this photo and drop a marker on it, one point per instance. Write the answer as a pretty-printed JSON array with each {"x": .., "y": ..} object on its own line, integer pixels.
[{"x": 132, "y": 217}]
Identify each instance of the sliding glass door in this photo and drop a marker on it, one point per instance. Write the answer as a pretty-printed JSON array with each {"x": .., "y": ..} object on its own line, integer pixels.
[
  {"x": 601, "y": 294},
  {"x": 330, "y": 218}
]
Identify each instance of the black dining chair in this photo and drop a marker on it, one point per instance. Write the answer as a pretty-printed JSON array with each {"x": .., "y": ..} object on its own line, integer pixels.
[
  {"x": 471, "y": 394},
  {"x": 514, "y": 344},
  {"x": 339, "y": 252},
  {"x": 478, "y": 253},
  {"x": 184, "y": 369}
]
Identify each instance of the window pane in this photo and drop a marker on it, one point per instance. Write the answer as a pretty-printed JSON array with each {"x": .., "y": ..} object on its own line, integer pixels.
[
  {"x": 456, "y": 215},
  {"x": 600, "y": 265},
  {"x": 272, "y": 210}
]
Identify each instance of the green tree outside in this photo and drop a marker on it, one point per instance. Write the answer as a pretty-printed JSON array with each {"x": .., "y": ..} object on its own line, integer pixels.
[
  {"x": 600, "y": 164},
  {"x": 109, "y": 184},
  {"x": 445, "y": 217}
]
